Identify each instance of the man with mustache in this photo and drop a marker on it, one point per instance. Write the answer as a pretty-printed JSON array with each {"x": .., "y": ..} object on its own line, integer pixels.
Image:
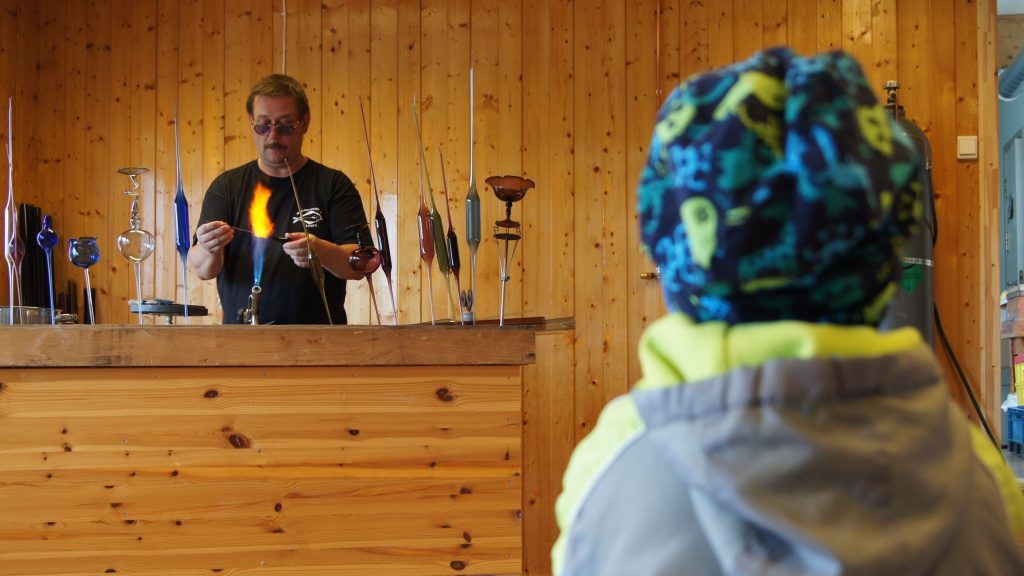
[{"x": 332, "y": 212}]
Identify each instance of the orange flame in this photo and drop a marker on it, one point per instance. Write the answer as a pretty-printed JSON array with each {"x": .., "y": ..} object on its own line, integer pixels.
[{"x": 262, "y": 225}]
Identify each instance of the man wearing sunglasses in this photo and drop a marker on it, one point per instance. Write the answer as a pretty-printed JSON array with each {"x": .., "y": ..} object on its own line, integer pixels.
[{"x": 332, "y": 212}]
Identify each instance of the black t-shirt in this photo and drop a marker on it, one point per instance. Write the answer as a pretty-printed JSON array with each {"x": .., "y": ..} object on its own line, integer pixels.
[{"x": 331, "y": 206}]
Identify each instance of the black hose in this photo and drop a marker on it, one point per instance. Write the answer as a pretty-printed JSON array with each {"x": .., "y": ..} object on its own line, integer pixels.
[
  {"x": 963, "y": 377},
  {"x": 942, "y": 333}
]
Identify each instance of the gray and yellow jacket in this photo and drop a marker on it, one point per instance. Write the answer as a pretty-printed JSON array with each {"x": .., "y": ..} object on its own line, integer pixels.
[{"x": 787, "y": 448}]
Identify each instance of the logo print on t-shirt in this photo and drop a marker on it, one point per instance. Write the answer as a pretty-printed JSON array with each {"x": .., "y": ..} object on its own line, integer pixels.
[{"x": 310, "y": 216}]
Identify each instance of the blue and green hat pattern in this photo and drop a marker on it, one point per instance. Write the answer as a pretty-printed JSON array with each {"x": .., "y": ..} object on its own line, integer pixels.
[{"x": 778, "y": 189}]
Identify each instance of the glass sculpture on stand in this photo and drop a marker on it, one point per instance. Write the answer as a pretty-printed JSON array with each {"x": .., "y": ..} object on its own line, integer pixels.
[
  {"x": 436, "y": 228},
  {"x": 472, "y": 219},
  {"x": 11, "y": 221},
  {"x": 508, "y": 189},
  {"x": 424, "y": 225},
  {"x": 452, "y": 243},
  {"x": 135, "y": 244},
  {"x": 47, "y": 239},
  {"x": 84, "y": 252},
  {"x": 381, "y": 224},
  {"x": 182, "y": 237}
]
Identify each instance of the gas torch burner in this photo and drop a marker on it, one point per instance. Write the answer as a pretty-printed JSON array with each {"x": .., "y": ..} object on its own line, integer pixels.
[{"x": 251, "y": 315}]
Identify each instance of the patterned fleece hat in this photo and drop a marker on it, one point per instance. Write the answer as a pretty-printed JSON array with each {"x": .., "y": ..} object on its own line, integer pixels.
[{"x": 778, "y": 189}]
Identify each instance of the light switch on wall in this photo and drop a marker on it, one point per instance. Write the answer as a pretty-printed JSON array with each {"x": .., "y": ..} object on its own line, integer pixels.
[{"x": 967, "y": 147}]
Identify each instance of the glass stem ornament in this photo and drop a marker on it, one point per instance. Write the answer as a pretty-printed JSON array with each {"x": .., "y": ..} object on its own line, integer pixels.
[
  {"x": 472, "y": 216},
  {"x": 380, "y": 224},
  {"x": 135, "y": 244},
  {"x": 84, "y": 252},
  {"x": 436, "y": 229},
  {"x": 182, "y": 239},
  {"x": 424, "y": 226},
  {"x": 452, "y": 242},
  {"x": 10, "y": 210},
  {"x": 314, "y": 259},
  {"x": 366, "y": 260},
  {"x": 426, "y": 244},
  {"x": 47, "y": 239},
  {"x": 17, "y": 251},
  {"x": 508, "y": 189}
]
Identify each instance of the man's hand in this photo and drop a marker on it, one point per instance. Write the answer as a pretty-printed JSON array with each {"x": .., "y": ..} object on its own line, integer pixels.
[
  {"x": 214, "y": 236},
  {"x": 297, "y": 248},
  {"x": 333, "y": 257},
  {"x": 206, "y": 256}
]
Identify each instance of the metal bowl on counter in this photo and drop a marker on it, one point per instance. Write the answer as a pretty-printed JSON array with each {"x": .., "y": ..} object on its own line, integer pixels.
[{"x": 32, "y": 315}]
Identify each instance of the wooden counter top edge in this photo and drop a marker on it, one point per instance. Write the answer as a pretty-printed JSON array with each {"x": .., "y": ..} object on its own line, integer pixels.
[{"x": 226, "y": 346}]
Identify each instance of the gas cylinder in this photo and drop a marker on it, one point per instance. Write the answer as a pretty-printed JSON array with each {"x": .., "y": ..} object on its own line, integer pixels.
[{"x": 912, "y": 304}]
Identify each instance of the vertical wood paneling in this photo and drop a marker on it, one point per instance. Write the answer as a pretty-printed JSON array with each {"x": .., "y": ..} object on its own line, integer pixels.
[
  {"x": 121, "y": 273},
  {"x": 915, "y": 72},
  {"x": 882, "y": 66},
  {"x": 305, "y": 56},
  {"x": 98, "y": 151},
  {"x": 963, "y": 98},
  {"x": 45, "y": 173},
  {"x": 748, "y": 28},
  {"x": 71, "y": 221},
  {"x": 671, "y": 48},
  {"x": 548, "y": 280},
  {"x": 142, "y": 140},
  {"x": 510, "y": 128},
  {"x": 857, "y": 29},
  {"x": 601, "y": 212},
  {"x": 457, "y": 147},
  {"x": 167, "y": 83},
  {"x": 830, "y": 25},
  {"x": 212, "y": 123},
  {"x": 48, "y": 169},
  {"x": 988, "y": 194},
  {"x": 246, "y": 30},
  {"x": 434, "y": 117},
  {"x": 547, "y": 442},
  {"x": 721, "y": 24},
  {"x": 346, "y": 80},
  {"x": 942, "y": 134},
  {"x": 642, "y": 86},
  {"x": 26, "y": 100},
  {"x": 486, "y": 28},
  {"x": 8, "y": 83},
  {"x": 352, "y": 149},
  {"x": 238, "y": 78},
  {"x": 776, "y": 24},
  {"x": 802, "y": 34},
  {"x": 616, "y": 252},
  {"x": 191, "y": 131},
  {"x": 694, "y": 52},
  {"x": 564, "y": 278},
  {"x": 547, "y": 159},
  {"x": 384, "y": 134},
  {"x": 281, "y": 55},
  {"x": 589, "y": 382},
  {"x": 412, "y": 285}
]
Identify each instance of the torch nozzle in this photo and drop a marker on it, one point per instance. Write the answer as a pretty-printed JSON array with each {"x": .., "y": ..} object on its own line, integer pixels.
[{"x": 254, "y": 306}]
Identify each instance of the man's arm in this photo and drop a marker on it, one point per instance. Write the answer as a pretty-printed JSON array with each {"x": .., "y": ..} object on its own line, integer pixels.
[{"x": 206, "y": 256}]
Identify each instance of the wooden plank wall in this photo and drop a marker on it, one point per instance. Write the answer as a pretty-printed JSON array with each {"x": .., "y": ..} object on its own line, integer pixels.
[
  {"x": 565, "y": 94},
  {"x": 261, "y": 470}
]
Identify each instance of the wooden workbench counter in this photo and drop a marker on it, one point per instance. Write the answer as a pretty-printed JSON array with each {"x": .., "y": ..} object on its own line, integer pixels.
[{"x": 271, "y": 449}]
